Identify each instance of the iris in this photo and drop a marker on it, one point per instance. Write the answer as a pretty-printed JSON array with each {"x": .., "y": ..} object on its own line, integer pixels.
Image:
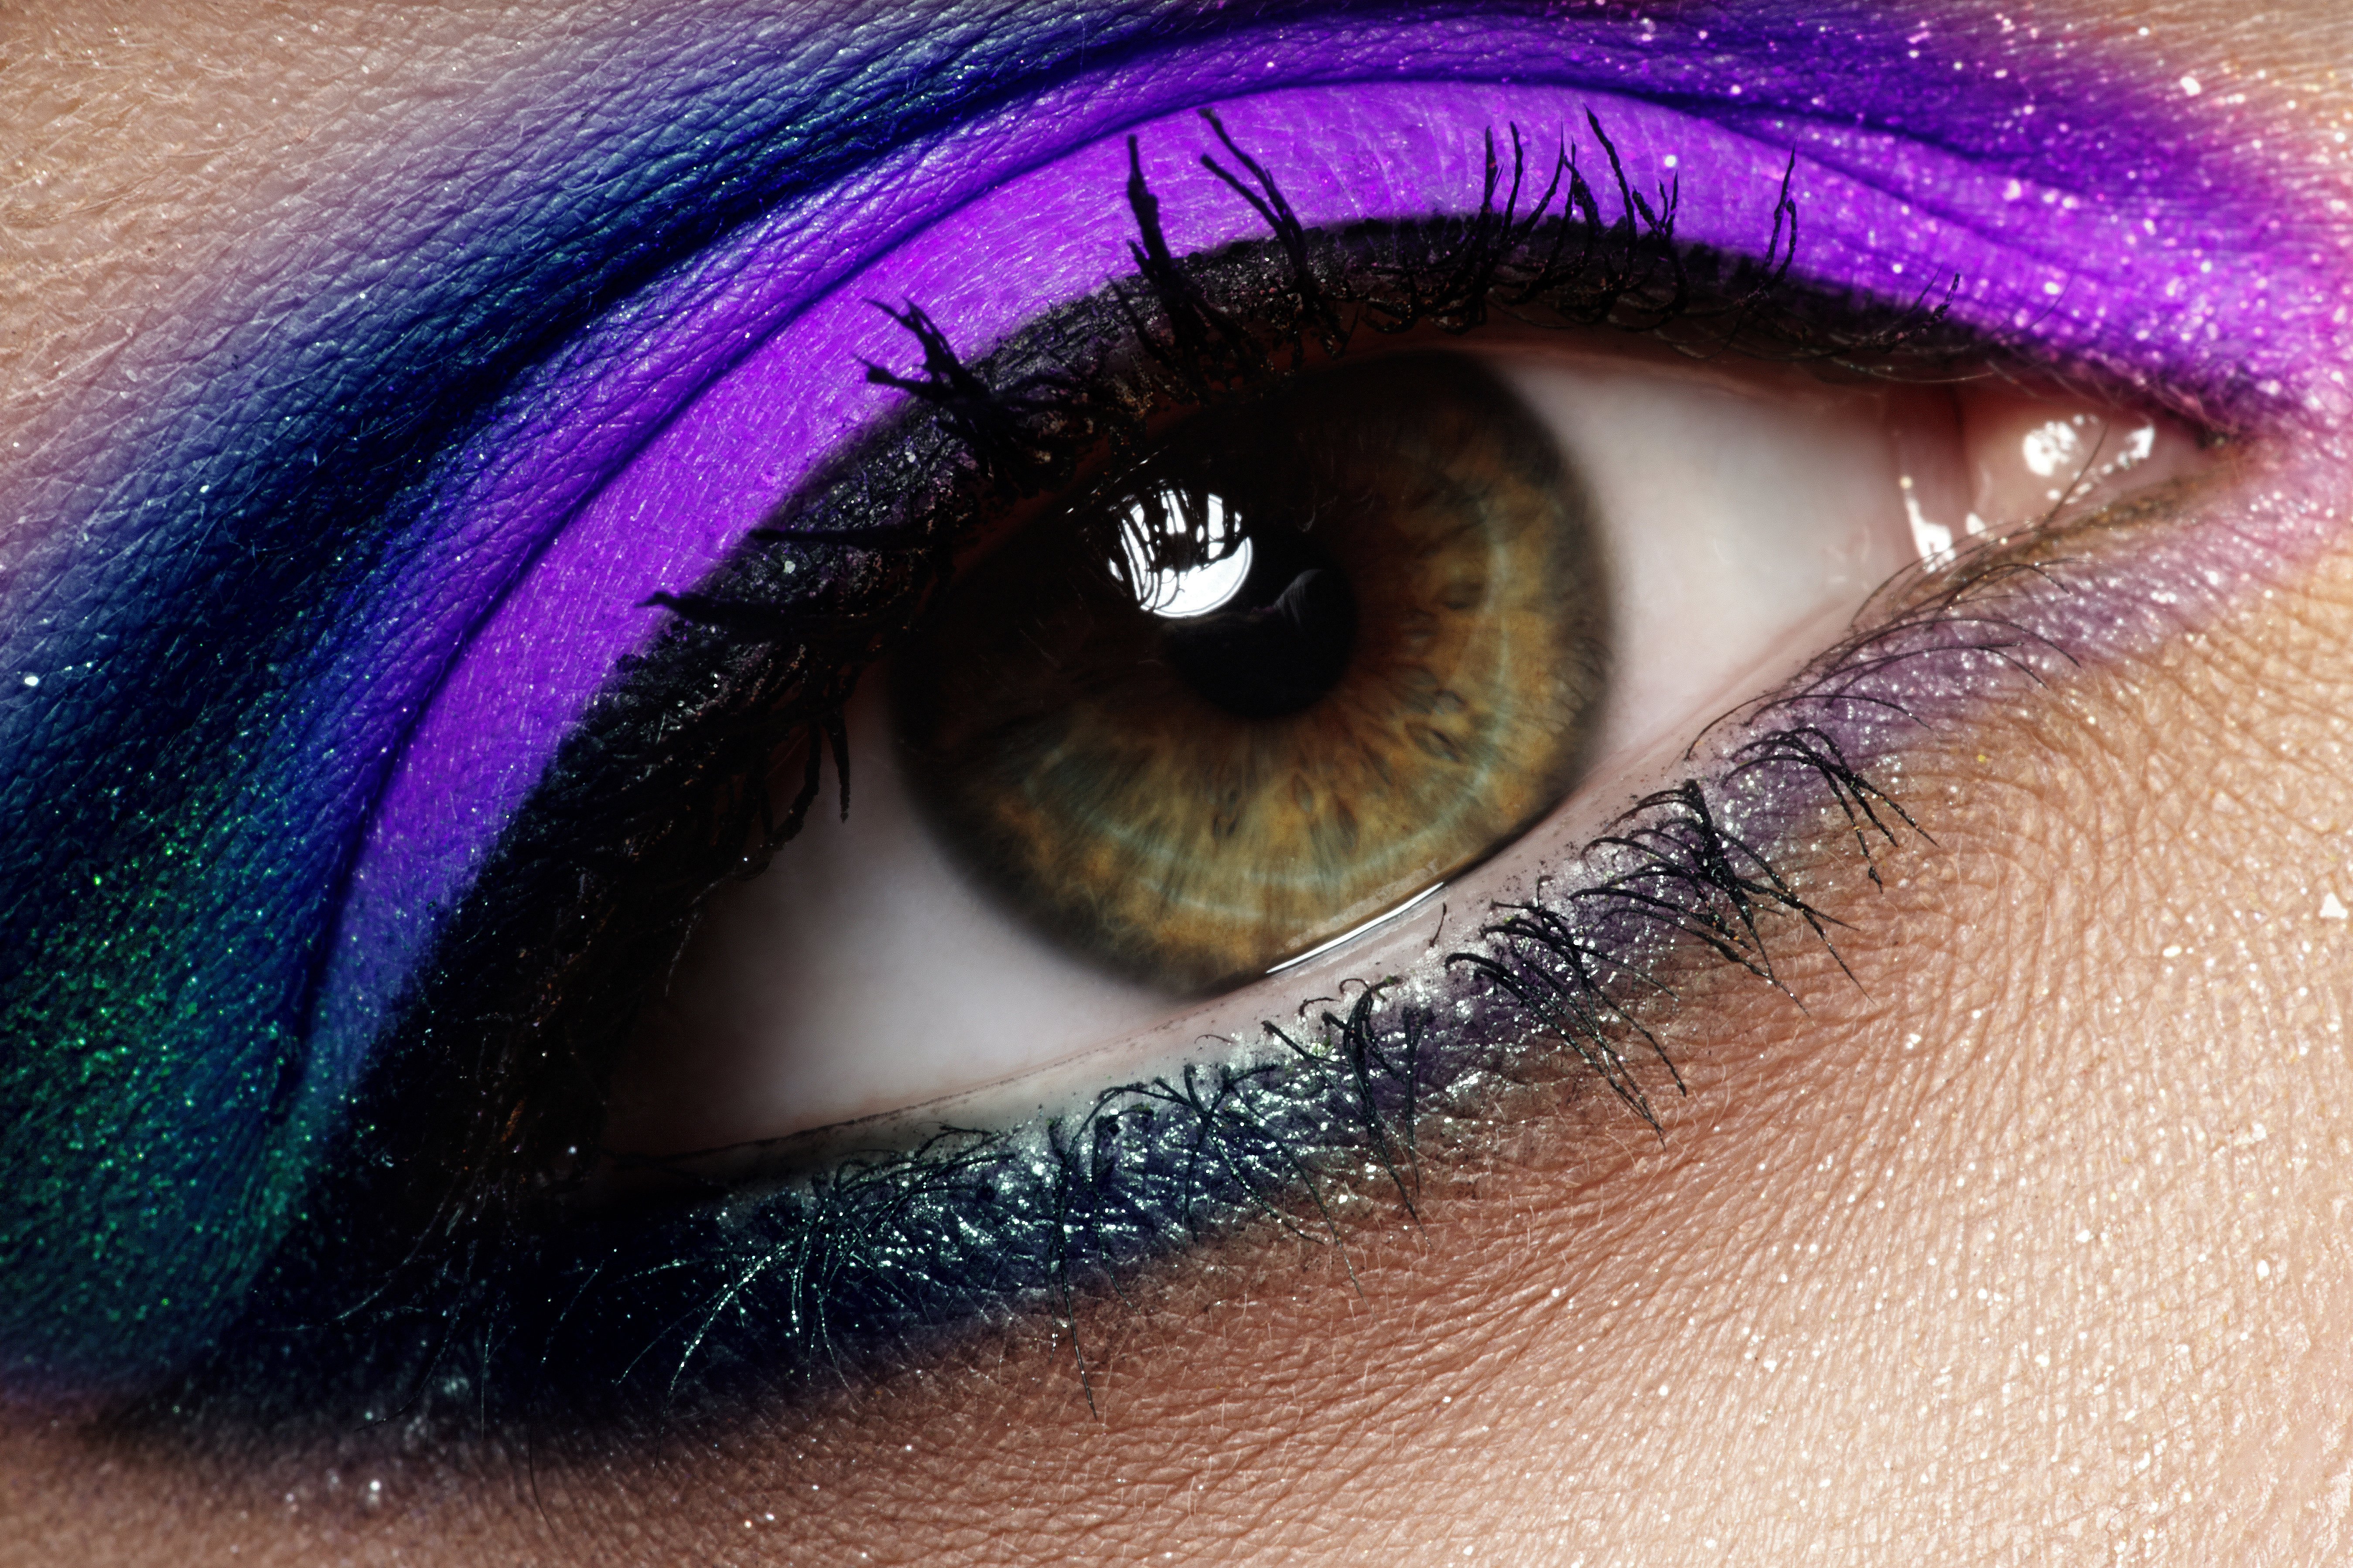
[{"x": 1407, "y": 678}]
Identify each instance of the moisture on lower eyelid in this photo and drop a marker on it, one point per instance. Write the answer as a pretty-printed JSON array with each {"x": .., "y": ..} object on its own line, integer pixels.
[{"x": 1402, "y": 671}]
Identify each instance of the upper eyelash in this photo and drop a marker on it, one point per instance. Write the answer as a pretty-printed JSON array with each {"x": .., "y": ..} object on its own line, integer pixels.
[
  {"x": 1025, "y": 436},
  {"x": 1683, "y": 847}
]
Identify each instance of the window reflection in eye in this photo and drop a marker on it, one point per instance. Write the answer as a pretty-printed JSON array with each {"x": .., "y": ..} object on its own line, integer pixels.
[{"x": 1434, "y": 591}]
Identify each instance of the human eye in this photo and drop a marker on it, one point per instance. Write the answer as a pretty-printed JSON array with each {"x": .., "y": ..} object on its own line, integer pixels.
[{"x": 430, "y": 834}]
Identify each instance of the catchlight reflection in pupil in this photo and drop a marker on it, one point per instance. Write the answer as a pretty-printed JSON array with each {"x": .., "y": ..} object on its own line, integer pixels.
[
  {"x": 1181, "y": 592},
  {"x": 1402, "y": 671}
]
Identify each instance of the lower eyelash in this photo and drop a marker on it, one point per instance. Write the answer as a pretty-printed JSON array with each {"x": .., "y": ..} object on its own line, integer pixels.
[{"x": 610, "y": 1323}]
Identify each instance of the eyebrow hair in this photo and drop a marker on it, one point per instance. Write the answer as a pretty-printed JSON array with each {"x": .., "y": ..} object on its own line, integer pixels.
[{"x": 186, "y": 779}]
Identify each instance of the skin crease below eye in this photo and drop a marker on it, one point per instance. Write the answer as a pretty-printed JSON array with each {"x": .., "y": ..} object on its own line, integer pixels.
[{"x": 2037, "y": 1252}]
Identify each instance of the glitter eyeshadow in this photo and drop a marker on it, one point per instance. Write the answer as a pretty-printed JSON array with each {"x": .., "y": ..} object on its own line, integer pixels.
[{"x": 395, "y": 526}]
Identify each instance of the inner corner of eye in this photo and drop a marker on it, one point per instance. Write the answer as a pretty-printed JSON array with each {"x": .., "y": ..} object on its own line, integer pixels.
[{"x": 1280, "y": 674}]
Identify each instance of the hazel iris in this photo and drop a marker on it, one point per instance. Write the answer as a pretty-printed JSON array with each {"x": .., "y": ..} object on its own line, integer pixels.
[{"x": 1399, "y": 669}]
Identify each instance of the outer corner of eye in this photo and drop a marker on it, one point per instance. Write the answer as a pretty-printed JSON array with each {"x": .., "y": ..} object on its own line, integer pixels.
[{"x": 1295, "y": 666}]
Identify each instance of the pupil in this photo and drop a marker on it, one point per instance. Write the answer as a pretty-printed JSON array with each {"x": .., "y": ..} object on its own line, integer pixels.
[{"x": 1283, "y": 642}]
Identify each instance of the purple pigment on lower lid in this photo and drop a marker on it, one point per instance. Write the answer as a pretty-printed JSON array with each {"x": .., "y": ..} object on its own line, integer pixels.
[{"x": 2101, "y": 281}]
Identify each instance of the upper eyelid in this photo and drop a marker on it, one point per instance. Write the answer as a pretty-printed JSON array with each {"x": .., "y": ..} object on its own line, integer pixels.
[
  {"x": 748, "y": 122},
  {"x": 1742, "y": 68}
]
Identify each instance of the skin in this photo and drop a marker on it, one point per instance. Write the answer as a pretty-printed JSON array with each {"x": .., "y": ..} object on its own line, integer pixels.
[{"x": 2025, "y": 1243}]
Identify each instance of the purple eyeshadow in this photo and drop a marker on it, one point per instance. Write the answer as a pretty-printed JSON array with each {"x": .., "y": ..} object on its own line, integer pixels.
[{"x": 2125, "y": 283}]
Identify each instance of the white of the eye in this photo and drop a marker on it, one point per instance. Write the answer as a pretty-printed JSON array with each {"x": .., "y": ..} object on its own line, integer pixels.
[{"x": 1182, "y": 593}]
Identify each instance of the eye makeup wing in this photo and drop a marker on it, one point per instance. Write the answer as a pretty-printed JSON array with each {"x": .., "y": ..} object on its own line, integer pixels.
[{"x": 290, "y": 720}]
